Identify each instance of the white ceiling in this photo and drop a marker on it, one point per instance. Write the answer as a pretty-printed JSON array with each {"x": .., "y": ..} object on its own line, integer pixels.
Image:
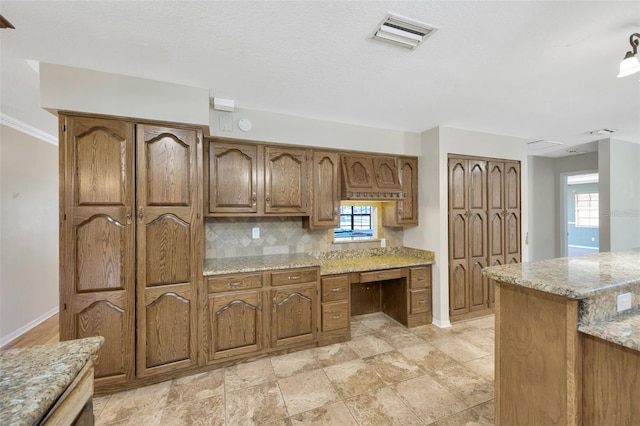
[{"x": 536, "y": 70}]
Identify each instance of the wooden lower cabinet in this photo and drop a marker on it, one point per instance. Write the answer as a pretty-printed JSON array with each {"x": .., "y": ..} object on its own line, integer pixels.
[
  {"x": 294, "y": 315},
  {"x": 236, "y": 325},
  {"x": 335, "y": 319},
  {"x": 259, "y": 312}
]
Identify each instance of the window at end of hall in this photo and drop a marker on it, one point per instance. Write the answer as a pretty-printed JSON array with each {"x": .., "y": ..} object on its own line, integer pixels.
[
  {"x": 587, "y": 215},
  {"x": 356, "y": 223}
]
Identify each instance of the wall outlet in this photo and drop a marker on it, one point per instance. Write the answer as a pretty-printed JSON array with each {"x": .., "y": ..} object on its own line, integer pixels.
[
  {"x": 255, "y": 233},
  {"x": 624, "y": 302},
  {"x": 383, "y": 242}
]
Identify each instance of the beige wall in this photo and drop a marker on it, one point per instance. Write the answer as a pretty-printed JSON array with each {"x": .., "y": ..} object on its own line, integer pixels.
[{"x": 28, "y": 232}]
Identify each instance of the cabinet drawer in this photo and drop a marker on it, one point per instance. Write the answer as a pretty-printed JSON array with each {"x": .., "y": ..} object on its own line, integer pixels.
[
  {"x": 234, "y": 282},
  {"x": 335, "y": 288},
  {"x": 421, "y": 277},
  {"x": 294, "y": 276},
  {"x": 335, "y": 316},
  {"x": 420, "y": 300},
  {"x": 385, "y": 274}
]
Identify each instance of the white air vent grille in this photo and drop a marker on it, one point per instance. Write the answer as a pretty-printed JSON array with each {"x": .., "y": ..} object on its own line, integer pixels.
[
  {"x": 402, "y": 31},
  {"x": 541, "y": 143},
  {"x": 603, "y": 132}
]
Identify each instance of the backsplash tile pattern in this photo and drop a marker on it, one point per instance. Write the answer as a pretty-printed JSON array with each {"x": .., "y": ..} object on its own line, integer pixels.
[{"x": 231, "y": 237}]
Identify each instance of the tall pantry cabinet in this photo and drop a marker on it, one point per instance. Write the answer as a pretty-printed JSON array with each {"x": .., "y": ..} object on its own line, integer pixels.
[
  {"x": 130, "y": 238},
  {"x": 484, "y": 228}
]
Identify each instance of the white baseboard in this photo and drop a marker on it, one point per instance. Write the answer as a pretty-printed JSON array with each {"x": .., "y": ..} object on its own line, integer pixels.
[
  {"x": 19, "y": 332},
  {"x": 442, "y": 324}
]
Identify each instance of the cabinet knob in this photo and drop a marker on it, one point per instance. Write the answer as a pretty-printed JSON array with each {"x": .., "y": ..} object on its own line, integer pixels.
[
  {"x": 335, "y": 290},
  {"x": 335, "y": 212},
  {"x": 140, "y": 213},
  {"x": 254, "y": 197},
  {"x": 267, "y": 199},
  {"x": 336, "y": 317},
  {"x": 128, "y": 215},
  {"x": 235, "y": 284},
  {"x": 294, "y": 277}
]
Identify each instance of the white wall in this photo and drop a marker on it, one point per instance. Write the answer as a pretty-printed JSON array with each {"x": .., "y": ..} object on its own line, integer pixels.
[
  {"x": 434, "y": 202},
  {"x": 542, "y": 208},
  {"x": 78, "y": 89},
  {"x": 28, "y": 232},
  {"x": 289, "y": 129},
  {"x": 619, "y": 163}
]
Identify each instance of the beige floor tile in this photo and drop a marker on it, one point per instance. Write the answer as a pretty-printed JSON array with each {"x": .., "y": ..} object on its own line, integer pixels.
[
  {"x": 459, "y": 349},
  {"x": 353, "y": 378},
  {"x": 247, "y": 375},
  {"x": 99, "y": 403},
  {"x": 280, "y": 422},
  {"x": 295, "y": 363},
  {"x": 197, "y": 412},
  {"x": 329, "y": 415},
  {"x": 256, "y": 405},
  {"x": 487, "y": 410},
  {"x": 137, "y": 402},
  {"x": 488, "y": 322},
  {"x": 377, "y": 321},
  {"x": 393, "y": 367},
  {"x": 399, "y": 337},
  {"x": 464, "y": 418},
  {"x": 359, "y": 329},
  {"x": 199, "y": 386},
  {"x": 335, "y": 354},
  {"x": 381, "y": 407},
  {"x": 430, "y": 332},
  {"x": 428, "y": 358},
  {"x": 482, "y": 338},
  {"x": 369, "y": 345},
  {"x": 484, "y": 367},
  {"x": 466, "y": 385},
  {"x": 428, "y": 399},
  {"x": 306, "y": 391}
]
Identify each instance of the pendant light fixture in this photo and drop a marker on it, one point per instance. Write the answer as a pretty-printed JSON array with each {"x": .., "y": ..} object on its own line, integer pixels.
[{"x": 630, "y": 64}]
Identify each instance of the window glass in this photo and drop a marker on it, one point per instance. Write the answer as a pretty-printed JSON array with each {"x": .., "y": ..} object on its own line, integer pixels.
[
  {"x": 355, "y": 223},
  {"x": 587, "y": 210}
]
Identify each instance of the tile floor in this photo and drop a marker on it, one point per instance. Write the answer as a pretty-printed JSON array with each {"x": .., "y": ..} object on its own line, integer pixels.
[{"x": 386, "y": 375}]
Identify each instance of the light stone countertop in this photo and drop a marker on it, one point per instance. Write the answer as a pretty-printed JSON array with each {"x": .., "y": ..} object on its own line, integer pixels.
[
  {"x": 330, "y": 263},
  {"x": 32, "y": 379},
  {"x": 574, "y": 277},
  {"x": 595, "y": 280},
  {"x": 624, "y": 330}
]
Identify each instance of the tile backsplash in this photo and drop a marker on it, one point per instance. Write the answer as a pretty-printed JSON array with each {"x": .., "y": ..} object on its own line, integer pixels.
[{"x": 231, "y": 237}]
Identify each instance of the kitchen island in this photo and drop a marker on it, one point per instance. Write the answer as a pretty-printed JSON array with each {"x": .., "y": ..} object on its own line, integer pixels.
[
  {"x": 564, "y": 354},
  {"x": 48, "y": 384}
]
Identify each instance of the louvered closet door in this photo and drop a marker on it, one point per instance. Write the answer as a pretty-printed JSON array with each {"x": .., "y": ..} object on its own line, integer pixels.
[
  {"x": 97, "y": 240},
  {"x": 458, "y": 236},
  {"x": 167, "y": 245}
]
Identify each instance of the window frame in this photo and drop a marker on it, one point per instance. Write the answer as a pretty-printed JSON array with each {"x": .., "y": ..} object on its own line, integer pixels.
[{"x": 339, "y": 233}]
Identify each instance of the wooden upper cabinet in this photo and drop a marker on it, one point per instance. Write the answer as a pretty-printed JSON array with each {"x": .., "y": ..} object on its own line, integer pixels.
[
  {"x": 168, "y": 232},
  {"x": 97, "y": 240},
  {"x": 233, "y": 178},
  {"x": 404, "y": 212},
  {"x": 325, "y": 191},
  {"x": 286, "y": 180},
  {"x": 386, "y": 173},
  {"x": 246, "y": 179},
  {"x": 357, "y": 171}
]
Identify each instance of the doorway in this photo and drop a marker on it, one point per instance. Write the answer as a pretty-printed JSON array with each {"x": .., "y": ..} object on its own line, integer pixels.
[{"x": 581, "y": 221}]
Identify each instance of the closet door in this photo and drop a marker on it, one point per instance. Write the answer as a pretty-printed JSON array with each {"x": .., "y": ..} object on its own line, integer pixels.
[
  {"x": 169, "y": 233},
  {"x": 512, "y": 231},
  {"x": 97, "y": 240},
  {"x": 478, "y": 290},
  {"x": 458, "y": 236}
]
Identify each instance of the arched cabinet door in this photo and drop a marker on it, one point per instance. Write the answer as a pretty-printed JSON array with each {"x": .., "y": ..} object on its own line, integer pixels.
[
  {"x": 97, "y": 240},
  {"x": 168, "y": 232}
]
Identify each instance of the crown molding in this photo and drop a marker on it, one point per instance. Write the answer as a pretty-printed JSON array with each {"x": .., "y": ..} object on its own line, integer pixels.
[{"x": 27, "y": 129}]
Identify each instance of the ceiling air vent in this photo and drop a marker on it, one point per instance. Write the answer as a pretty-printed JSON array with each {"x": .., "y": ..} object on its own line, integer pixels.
[
  {"x": 603, "y": 132},
  {"x": 543, "y": 143},
  {"x": 402, "y": 31}
]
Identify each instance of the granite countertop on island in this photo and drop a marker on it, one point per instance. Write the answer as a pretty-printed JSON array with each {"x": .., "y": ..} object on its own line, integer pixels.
[
  {"x": 594, "y": 280},
  {"x": 334, "y": 262},
  {"x": 574, "y": 277},
  {"x": 32, "y": 379}
]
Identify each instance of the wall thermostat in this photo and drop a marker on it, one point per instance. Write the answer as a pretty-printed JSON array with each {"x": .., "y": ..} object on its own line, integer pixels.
[{"x": 245, "y": 124}]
